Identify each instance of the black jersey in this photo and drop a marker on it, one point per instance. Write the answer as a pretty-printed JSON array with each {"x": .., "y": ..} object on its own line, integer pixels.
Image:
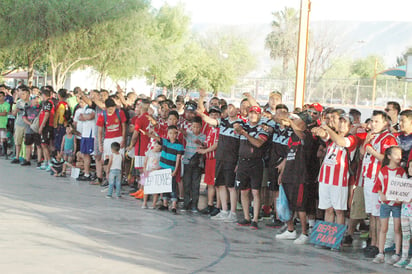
[
  {"x": 295, "y": 168},
  {"x": 246, "y": 149},
  {"x": 228, "y": 142},
  {"x": 280, "y": 142}
]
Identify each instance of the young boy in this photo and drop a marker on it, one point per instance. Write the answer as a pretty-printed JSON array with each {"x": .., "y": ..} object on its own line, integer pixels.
[
  {"x": 192, "y": 161},
  {"x": 46, "y": 119},
  {"x": 114, "y": 170},
  {"x": 171, "y": 156},
  {"x": 4, "y": 111}
]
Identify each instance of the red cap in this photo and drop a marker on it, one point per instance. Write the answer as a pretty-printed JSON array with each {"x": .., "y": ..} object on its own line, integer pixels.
[
  {"x": 318, "y": 107},
  {"x": 255, "y": 109}
]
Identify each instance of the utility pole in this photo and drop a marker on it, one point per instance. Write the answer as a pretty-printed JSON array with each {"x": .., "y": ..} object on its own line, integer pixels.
[{"x": 302, "y": 53}]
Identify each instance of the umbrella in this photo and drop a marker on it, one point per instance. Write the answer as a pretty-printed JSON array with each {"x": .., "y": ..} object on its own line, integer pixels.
[{"x": 398, "y": 71}]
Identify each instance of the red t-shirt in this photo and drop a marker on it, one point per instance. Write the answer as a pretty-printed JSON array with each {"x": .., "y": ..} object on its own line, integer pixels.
[
  {"x": 212, "y": 138},
  {"x": 113, "y": 125},
  {"x": 47, "y": 107},
  {"x": 143, "y": 140}
]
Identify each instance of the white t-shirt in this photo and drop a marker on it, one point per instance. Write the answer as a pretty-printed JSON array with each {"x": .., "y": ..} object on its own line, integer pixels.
[{"x": 86, "y": 128}]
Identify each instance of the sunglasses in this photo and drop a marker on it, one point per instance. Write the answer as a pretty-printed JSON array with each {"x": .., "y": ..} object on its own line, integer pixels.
[
  {"x": 387, "y": 109},
  {"x": 313, "y": 112}
]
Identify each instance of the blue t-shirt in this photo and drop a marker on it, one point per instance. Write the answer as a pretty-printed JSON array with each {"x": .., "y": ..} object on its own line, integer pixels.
[{"x": 169, "y": 154}]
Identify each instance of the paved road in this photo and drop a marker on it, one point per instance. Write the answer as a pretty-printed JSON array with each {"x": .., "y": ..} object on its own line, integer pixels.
[{"x": 57, "y": 225}]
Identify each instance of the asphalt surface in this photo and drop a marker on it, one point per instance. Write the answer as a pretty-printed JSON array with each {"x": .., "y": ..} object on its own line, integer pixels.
[{"x": 59, "y": 225}]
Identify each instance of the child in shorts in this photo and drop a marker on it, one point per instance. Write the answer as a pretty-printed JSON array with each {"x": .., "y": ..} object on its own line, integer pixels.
[
  {"x": 151, "y": 163},
  {"x": 390, "y": 169},
  {"x": 58, "y": 167},
  {"x": 68, "y": 146},
  {"x": 114, "y": 174}
]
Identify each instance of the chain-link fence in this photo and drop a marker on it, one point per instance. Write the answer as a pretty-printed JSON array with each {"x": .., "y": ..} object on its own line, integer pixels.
[{"x": 348, "y": 92}]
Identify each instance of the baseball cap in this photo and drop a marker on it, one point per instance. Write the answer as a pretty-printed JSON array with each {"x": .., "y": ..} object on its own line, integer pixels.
[
  {"x": 215, "y": 109},
  {"x": 190, "y": 107},
  {"x": 256, "y": 109},
  {"x": 347, "y": 117},
  {"x": 318, "y": 107}
]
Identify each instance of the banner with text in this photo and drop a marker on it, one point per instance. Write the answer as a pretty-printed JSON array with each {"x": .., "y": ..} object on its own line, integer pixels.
[
  {"x": 158, "y": 181},
  {"x": 399, "y": 189},
  {"x": 327, "y": 234}
]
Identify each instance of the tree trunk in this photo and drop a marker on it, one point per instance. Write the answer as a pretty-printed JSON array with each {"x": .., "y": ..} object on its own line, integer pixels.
[{"x": 30, "y": 69}]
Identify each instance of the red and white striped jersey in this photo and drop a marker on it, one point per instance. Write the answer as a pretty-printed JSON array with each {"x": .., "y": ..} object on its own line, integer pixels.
[
  {"x": 371, "y": 165},
  {"x": 335, "y": 166},
  {"x": 211, "y": 139},
  {"x": 386, "y": 175}
]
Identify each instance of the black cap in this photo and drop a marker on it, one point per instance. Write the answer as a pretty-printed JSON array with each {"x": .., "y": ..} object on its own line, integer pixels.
[{"x": 215, "y": 109}]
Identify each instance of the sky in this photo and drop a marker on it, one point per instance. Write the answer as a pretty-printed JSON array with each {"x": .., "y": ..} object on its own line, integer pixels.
[{"x": 260, "y": 11}]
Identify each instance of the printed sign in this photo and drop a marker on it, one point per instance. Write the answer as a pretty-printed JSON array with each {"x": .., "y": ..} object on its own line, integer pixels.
[
  {"x": 158, "y": 181},
  {"x": 327, "y": 234},
  {"x": 399, "y": 189}
]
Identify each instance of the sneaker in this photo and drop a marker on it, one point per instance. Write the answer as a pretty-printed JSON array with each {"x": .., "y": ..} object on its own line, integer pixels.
[
  {"x": 174, "y": 211},
  {"x": 145, "y": 207},
  {"x": 162, "y": 207},
  {"x": 231, "y": 218},
  {"x": 48, "y": 168},
  {"x": 206, "y": 210},
  {"x": 214, "y": 211},
  {"x": 254, "y": 225},
  {"x": 370, "y": 251},
  {"x": 244, "y": 222},
  {"x": 108, "y": 196},
  {"x": 379, "y": 259},
  {"x": 43, "y": 166},
  {"x": 223, "y": 215},
  {"x": 195, "y": 211},
  {"x": 15, "y": 161},
  {"x": 84, "y": 178},
  {"x": 39, "y": 164},
  {"x": 302, "y": 240},
  {"x": 287, "y": 235},
  {"x": 275, "y": 224},
  {"x": 119, "y": 197},
  {"x": 26, "y": 163},
  {"x": 409, "y": 266},
  {"x": 347, "y": 240},
  {"x": 401, "y": 263},
  {"x": 394, "y": 259},
  {"x": 104, "y": 189}
]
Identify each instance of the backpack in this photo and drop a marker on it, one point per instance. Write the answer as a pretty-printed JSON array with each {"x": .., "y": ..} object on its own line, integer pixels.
[{"x": 67, "y": 111}]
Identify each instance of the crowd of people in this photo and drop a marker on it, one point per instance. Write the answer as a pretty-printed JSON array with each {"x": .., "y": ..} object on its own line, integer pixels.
[{"x": 330, "y": 164}]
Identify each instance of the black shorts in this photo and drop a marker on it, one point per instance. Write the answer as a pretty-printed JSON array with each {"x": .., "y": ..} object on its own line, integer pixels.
[
  {"x": 47, "y": 134},
  {"x": 250, "y": 173},
  {"x": 33, "y": 138},
  {"x": 297, "y": 195},
  {"x": 225, "y": 173},
  {"x": 273, "y": 177}
]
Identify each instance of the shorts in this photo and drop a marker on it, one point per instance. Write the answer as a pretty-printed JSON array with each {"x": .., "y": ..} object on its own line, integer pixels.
[
  {"x": 19, "y": 135},
  {"x": 225, "y": 174},
  {"x": 68, "y": 153},
  {"x": 59, "y": 133},
  {"x": 357, "y": 209},
  {"x": 87, "y": 145},
  {"x": 33, "y": 138},
  {"x": 107, "y": 150},
  {"x": 333, "y": 196},
  {"x": 210, "y": 170},
  {"x": 265, "y": 177},
  {"x": 385, "y": 211},
  {"x": 3, "y": 133},
  {"x": 372, "y": 205},
  {"x": 250, "y": 173},
  {"x": 297, "y": 196},
  {"x": 46, "y": 135}
]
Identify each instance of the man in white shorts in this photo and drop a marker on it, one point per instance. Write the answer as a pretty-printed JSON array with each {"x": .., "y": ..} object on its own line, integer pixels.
[{"x": 334, "y": 173}]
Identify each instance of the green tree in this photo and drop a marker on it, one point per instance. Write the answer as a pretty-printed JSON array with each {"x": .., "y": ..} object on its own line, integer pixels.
[
  {"x": 365, "y": 67},
  {"x": 282, "y": 41}
]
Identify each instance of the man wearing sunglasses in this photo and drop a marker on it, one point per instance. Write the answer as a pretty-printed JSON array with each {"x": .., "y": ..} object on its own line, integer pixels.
[{"x": 393, "y": 109}]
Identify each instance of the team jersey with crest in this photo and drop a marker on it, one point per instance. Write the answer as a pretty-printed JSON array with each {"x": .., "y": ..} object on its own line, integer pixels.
[
  {"x": 295, "y": 167},
  {"x": 246, "y": 149},
  {"x": 371, "y": 165},
  {"x": 228, "y": 148},
  {"x": 335, "y": 166}
]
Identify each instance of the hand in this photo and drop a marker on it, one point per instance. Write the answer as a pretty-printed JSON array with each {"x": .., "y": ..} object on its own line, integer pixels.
[
  {"x": 151, "y": 119},
  {"x": 201, "y": 151},
  {"x": 143, "y": 132},
  {"x": 369, "y": 137},
  {"x": 382, "y": 197},
  {"x": 122, "y": 143},
  {"x": 247, "y": 94},
  {"x": 174, "y": 173},
  {"x": 369, "y": 149}
]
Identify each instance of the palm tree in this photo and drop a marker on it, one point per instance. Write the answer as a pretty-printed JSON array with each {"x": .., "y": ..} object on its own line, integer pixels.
[{"x": 282, "y": 41}]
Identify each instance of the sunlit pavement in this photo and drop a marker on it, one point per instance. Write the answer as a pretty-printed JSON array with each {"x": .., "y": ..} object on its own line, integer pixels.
[{"x": 58, "y": 225}]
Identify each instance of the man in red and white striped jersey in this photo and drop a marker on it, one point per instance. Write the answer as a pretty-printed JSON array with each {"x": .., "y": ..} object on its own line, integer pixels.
[
  {"x": 334, "y": 173},
  {"x": 376, "y": 142}
]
